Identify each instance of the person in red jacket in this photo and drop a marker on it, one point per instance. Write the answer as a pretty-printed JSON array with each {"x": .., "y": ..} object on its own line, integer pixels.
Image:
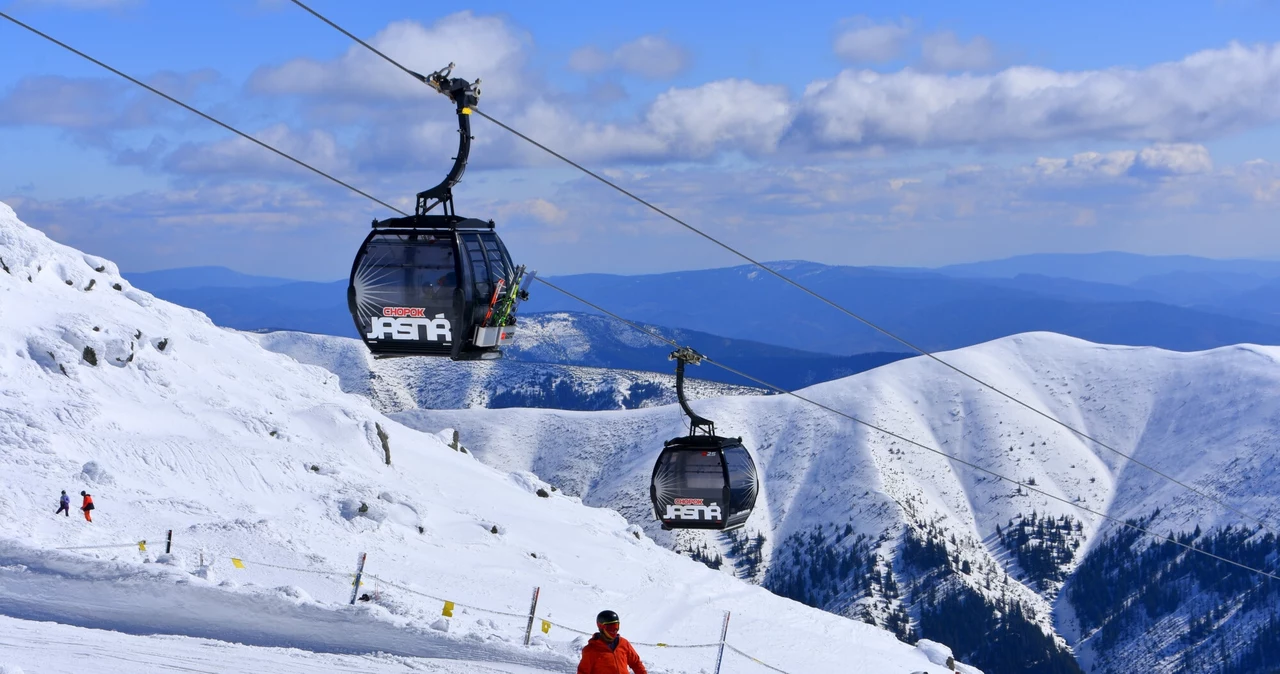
[
  {"x": 607, "y": 652},
  {"x": 87, "y": 506}
]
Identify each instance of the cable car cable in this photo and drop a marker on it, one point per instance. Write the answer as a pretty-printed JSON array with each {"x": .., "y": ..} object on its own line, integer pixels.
[
  {"x": 676, "y": 344},
  {"x": 807, "y": 290}
]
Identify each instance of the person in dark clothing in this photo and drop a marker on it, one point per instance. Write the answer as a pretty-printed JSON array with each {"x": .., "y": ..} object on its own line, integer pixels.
[
  {"x": 607, "y": 652},
  {"x": 87, "y": 506},
  {"x": 64, "y": 505}
]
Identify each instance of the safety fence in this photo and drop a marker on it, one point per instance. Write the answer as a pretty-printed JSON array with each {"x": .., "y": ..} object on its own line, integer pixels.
[{"x": 356, "y": 580}]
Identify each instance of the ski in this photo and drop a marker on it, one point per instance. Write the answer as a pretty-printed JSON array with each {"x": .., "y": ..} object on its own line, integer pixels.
[
  {"x": 497, "y": 292},
  {"x": 519, "y": 291}
]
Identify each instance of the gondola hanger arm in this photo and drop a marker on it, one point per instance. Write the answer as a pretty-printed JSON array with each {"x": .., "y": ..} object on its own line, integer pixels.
[{"x": 684, "y": 355}]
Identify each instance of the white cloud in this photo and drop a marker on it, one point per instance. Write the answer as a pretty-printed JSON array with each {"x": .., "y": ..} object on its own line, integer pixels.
[
  {"x": 944, "y": 51},
  {"x": 1175, "y": 159},
  {"x": 1160, "y": 159},
  {"x": 720, "y": 115},
  {"x": 1209, "y": 93},
  {"x": 483, "y": 47},
  {"x": 650, "y": 56},
  {"x": 239, "y": 158},
  {"x": 862, "y": 40}
]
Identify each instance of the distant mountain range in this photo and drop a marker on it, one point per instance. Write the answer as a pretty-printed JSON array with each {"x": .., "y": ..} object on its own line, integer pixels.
[{"x": 741, "y": 314}]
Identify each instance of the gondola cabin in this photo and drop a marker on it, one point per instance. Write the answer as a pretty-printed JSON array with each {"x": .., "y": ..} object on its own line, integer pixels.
[
  {"x": 703, "y": 482},
  {"x": 418, "y": 291}
]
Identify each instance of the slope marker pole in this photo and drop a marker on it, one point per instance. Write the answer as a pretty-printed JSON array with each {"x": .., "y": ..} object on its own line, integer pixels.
[
  {"x": 724, "y": 634},
  {"x": 533, "y": 608},
  {"x": 355, "y": 585}
]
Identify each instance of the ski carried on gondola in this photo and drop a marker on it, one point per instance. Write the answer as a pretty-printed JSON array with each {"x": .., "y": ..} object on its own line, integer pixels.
[
  {"x": 519, "y": 292},
  {"x": 497, "y": 292}
]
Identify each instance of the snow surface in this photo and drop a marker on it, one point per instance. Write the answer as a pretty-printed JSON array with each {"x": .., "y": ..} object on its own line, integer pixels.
[
  {"x": 50, "y": 647},
  {"x": 244, "y": 453}
]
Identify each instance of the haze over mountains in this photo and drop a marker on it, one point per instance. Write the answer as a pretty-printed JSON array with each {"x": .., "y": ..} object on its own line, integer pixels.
[{"x": 742, "y": 314}]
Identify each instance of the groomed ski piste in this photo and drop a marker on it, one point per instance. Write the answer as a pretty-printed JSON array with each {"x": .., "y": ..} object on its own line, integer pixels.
[{"x": 172, "y": 423}]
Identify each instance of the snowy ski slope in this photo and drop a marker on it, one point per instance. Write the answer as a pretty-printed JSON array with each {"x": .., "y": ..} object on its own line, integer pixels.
[{"x": 173, "y": 423}]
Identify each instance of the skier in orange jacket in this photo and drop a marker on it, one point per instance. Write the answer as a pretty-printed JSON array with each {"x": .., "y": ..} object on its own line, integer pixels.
[
  {"x": 607, "y": 652},
  {"x": 87, "y": 506}
]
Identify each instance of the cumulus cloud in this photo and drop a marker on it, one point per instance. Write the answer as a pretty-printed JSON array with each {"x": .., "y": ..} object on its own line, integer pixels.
[
  {"x": 1161, "y": 159},
  {"x": 944, "y": 51},
  {"x": 862, "y": 40},
  {"x": 484, "y": 47},
  {"x": 724, "y": 114},
  {"x": 1175, "y": 159},
  {"x": 650, "y": 56},
  {"x": 237, "y": 157},
  {"x": 1207, "y": 94}
]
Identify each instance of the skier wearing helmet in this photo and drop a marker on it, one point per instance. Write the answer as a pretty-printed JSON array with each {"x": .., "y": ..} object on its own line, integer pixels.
[{"x": 607, "y": 652}]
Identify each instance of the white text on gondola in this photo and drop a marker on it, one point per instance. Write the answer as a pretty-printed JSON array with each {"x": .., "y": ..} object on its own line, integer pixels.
[
  {"x": 406, "y": 329},
  {"x": 693, "y": 512}
]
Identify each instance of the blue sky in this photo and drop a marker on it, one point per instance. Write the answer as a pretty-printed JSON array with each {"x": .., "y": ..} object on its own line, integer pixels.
[{"x": 941, "y": 132}]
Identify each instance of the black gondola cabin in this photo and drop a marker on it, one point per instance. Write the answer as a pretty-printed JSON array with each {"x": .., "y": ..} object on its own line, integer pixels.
[{"x": 702, "y": 480}]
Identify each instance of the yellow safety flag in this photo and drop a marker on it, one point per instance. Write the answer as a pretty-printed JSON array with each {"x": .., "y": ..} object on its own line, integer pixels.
[
  {"x": 661, "y": 645},
  {"x": 448, "y": 609},
  {"x": 142, "y": 545},
  {"x": 237, "y": 563},
  {"x": 546, "y": 627},
  {"x": 353, "y": 581}
]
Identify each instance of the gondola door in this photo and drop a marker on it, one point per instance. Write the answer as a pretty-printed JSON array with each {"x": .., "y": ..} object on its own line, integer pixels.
[
  {"x": 688, "y": 487},
  {"x": 405, "y": 293}
]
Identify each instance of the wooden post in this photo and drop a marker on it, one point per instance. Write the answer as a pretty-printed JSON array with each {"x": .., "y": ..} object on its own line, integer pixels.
[
  {"x": 724, "y": 633},
  {"x": 168, "y": 542},
  {"x": 355, "y": 586},
  {"x": 533, "y": 609}
]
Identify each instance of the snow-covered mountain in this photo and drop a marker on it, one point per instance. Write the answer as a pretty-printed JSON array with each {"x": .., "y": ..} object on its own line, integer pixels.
[
  {"x": 400, "y": 384},
  {"x": 867, "y": 526},
  {"x": 175, "y": 424}
]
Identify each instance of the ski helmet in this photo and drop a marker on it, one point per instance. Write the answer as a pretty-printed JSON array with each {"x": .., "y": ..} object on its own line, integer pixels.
[
  {"x": 83, "y": 494},
  {"x": 606, "y": 618}
]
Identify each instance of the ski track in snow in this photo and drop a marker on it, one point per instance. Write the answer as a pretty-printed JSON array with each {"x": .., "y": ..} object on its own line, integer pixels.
[
  {"x": 55, "y": 648},
  {"x": 175, "y": 424}
]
